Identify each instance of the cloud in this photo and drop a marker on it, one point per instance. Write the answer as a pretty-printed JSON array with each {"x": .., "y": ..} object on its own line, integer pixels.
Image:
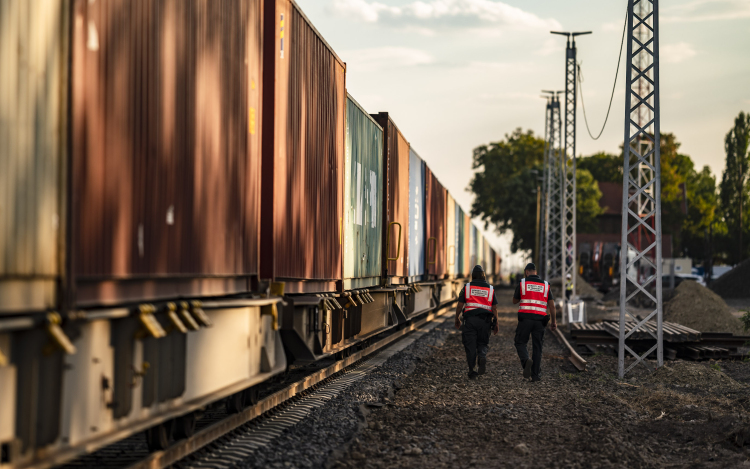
[
  {"x": 676, "y": 53},
  {"x": 552, "y": 45},
  {"x": 442, "y": 14},
  {"x": 382, "y": 58},
  {"x": 361, "y": 10},
  {"x": 706, "y": 10}
]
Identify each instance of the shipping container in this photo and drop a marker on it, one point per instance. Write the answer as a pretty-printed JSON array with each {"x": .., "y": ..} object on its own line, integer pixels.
[
  {"x": 435, "y": 228},
  {"x": 363, "y": 198},
  {"x": 451, "y": 236},
  {"x": 467, "y": 245},
  {"x": 460, "y": 226},
  {"x": 416, "y": 257},
  {"x": 396, "y": 203},
  {"x": 473, "y": 249},
  {"x": 166, "y": 149},
  {"x": 34, "y": 53},
  {"x": 303, "y": 153}
]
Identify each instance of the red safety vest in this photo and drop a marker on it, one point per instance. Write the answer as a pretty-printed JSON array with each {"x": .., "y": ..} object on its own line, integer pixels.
[
  {"x": 534, "y": 297},
  {"x": 478, "y": 297}
]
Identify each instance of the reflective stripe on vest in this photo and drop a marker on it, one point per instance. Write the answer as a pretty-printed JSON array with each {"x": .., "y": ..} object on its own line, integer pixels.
[
  {"x": 478, "y": 297},
  {"x": 534, "y": 297}
]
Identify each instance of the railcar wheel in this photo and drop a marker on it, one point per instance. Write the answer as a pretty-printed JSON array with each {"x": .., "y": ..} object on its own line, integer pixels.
[
  {"x": 250, "y": 396},
  {"x": 159, "y": 436},
  {"x": 185, "y": 426},
  {"x": 235, "y": 403}
]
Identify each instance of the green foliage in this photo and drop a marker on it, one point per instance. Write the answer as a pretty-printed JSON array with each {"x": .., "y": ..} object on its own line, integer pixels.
[
  {"x": 746, "y": 321},
  {"x": 734, "y": 190},
  {"x": 587, "y": 201},
  {"x": 505, "y": 186},
  {"x": 702, "y": 202},
  {"x": 604, "y": 167},
  {"x": 715, "y": 366}
]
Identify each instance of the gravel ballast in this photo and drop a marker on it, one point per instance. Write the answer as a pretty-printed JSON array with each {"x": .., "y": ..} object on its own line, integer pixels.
[{"x": 420, "y": 410}]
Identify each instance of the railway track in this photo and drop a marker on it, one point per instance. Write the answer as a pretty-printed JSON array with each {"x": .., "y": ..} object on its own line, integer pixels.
[{"x": 225, "y": 438}]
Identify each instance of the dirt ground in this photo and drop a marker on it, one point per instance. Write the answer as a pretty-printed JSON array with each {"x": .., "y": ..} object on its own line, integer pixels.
[{"x": 684, "y": 415}]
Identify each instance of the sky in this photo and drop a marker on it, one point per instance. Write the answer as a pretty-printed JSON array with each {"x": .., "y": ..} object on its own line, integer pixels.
[{"x": 456, "y": 74}]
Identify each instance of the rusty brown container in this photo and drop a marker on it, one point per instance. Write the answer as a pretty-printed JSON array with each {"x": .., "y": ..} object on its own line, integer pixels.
[
  {"x": 166, "y": 148},
  {"x": 436, "y": 206},
  {"x": 396, "y": 191},
  {"x": 303, "y": 153}
]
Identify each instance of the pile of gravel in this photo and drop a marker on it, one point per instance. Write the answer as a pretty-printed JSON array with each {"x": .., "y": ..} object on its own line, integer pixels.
[
  {"x": 586, "y": 291},
  {"x": 693, "y": 375},
  {"x": 735, "y": 283},
  {"x": 699, "y": 308}
]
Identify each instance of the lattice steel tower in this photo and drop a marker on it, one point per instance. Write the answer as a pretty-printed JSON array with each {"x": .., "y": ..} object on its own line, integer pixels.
[
  {"x": 553, "y": 214},
  {"x": 545, "y": 190},
  {"x": 568, "y": 171},
  {"x": 640, "y": 262}
]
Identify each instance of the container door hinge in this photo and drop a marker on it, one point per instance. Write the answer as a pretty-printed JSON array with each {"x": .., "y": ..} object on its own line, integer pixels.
[
  {"x": 57, "y": 335},
  {"x": 273, "y": 311},
  {"x": 174, "y": 319},
  {"x": 149, "y": 322},
  {"x": 187, "y": 319},
  {"x": 200, "y": 316}
]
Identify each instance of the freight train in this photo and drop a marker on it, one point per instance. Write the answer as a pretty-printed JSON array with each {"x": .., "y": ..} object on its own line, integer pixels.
[{"x": 190, "y": 202}]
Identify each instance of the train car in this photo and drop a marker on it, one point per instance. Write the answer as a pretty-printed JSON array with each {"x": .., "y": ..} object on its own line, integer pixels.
[
  {"x": 137, "y": 162},
  {"x": 193, "y": 203},
  {"x": 305, "y": 100}
]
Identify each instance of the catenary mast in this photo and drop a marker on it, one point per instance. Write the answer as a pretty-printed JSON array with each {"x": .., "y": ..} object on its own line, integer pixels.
[{"x": 641, "y": 246}]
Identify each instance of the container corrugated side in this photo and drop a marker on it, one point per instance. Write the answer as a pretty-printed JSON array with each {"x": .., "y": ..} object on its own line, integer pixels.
[
  {"x": 451, "y": 238},
  {"x": 461, "y": 240},
  {"x": 435, "y": 228},
  {"x": 303, "y": 153},
  {"x": 34, "y": 52},
  {"x": 363, "y": 198},
  {"x": 166, "y": 166},
  {"x": 416, "y": 216},
  {"x": 467, "y": 245},
  {"x": 473, "y": 246},
  {"x": 396, "y": 203}
]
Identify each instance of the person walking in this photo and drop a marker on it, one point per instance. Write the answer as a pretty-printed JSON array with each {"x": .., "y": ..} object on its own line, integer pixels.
[
  {"x": 535, "y": 299},
  {"x": 478, "y": 304}
]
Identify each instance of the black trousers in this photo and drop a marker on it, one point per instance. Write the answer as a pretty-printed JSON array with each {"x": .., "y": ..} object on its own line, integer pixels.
[
  {"x": 535, "y": 329},
  {"x": 476, "y": 337}
]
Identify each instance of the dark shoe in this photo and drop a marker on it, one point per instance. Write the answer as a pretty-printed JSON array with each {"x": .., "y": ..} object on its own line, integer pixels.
[
  {"x": 482, "y": 365},
  {"x": 473, "y": 374},
  {"x": 536, "y": 378},
  {"x": 527, "y": 368}
]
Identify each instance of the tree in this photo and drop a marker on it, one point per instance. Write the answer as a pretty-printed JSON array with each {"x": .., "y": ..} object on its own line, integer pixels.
[
  {"x": 734, "y": 188},
  {"x": 505, "y": 188},
  {"x": 702, "y": 202},
  {"x": 604, "y": 167},
  {"x": 587, "y": 201}
]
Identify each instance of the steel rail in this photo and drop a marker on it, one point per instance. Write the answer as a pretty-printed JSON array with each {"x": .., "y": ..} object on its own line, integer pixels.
[
  {"x": 204, "y": 437},
  {"x": 574, "y": 358}
]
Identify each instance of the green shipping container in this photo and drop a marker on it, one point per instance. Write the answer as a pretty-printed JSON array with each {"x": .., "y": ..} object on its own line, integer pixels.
[{"x": 363, "y": 199}]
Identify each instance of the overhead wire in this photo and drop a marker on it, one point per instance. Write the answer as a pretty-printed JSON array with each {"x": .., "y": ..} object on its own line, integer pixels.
[{"x": 614, "y": 86}]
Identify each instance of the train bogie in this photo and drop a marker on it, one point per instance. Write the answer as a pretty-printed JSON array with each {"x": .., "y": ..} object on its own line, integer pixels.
[{"x": 131, "y": 371}]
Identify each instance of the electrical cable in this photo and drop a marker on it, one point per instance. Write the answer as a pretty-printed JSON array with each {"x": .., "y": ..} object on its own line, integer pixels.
[{"x": 614, "y": 86}]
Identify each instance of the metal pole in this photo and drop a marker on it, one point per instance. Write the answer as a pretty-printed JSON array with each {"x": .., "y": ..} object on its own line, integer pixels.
[
  {"x": 554, "y": 216},
  {"x": 641, "y": 265},
  {"x": 568, "y": 161},
  {"x": 538, "y": 220}
]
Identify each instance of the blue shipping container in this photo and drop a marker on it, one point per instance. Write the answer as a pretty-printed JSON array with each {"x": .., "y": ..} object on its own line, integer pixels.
[{"x": 416, "y": 215}]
